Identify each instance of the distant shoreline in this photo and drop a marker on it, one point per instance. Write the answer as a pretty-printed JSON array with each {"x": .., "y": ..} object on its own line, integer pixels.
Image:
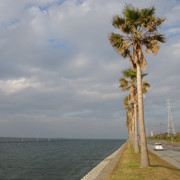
[{"x": 31, "y": 140}]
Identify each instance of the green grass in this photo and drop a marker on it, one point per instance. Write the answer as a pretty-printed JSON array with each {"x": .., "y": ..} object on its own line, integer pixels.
[
  {"x": 128, "y": 168},
  {"x": 164, "y": 140}
]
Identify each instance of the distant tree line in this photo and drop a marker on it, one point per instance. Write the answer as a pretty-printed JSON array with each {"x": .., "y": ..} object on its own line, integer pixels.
[{"x": 166, "y": 136}]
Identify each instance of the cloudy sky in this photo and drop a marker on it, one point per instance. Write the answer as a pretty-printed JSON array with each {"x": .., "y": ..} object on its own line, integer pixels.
[{"x": 59, "y": 74}]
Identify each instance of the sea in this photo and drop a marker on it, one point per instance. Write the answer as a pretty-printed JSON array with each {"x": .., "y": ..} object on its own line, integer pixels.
[{"x": 52, "y": 159}]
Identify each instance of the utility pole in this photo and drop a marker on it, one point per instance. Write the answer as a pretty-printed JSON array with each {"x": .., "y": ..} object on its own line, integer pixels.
[
  {"x": 152, "y": 134},
  {"x": 171, "y": 130},
  {"x": 160, "y": 128},
  {"x": 147, "y": 132}
]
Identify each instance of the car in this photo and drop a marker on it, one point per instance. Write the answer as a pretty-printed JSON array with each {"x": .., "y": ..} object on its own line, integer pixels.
[{"x": 158, "y": 146}]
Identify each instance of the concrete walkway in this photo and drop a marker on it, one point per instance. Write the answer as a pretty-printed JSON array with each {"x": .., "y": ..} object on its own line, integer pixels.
[{"x": 102, "y": 170}]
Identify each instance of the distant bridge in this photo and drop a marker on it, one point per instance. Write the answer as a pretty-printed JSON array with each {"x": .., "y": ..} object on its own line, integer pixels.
[{"x": 31, "y": 141}]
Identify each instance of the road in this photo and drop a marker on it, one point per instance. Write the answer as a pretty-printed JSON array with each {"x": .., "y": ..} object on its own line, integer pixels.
[{"x": 169, "y": 154}]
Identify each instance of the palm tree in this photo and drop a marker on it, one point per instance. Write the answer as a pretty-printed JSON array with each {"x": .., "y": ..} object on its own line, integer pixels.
[
  {"x": 139, "y": 29},
  {"x": 129, "y": 117},
  {"x": 129, "y": 83}
]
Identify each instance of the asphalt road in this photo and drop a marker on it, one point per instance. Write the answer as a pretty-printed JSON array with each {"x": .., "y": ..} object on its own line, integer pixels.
[{"x": 169, "y": 154}]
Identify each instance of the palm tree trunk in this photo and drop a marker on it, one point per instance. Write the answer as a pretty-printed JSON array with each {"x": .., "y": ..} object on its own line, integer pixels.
[
  {"x": 144, "y": 151},
  {"x": 136, "y": 145},
  {"x": 133, "y": 126},
  {"x": 130, "y": 134},
  {"x": 133, "y": 131}
]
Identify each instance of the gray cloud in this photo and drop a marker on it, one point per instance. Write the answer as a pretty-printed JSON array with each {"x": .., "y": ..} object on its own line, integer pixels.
[{"x": 59, "y": 74}]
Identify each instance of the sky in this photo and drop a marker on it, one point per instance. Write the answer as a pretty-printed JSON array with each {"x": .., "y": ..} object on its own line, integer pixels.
[{"x": 59, "y": 75}]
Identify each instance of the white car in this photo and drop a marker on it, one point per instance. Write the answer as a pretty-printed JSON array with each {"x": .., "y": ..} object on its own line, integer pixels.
[{"x": 158, "y": 146}]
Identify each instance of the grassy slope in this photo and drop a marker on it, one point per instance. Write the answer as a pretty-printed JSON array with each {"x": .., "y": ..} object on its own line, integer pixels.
[{"x": 128, "y": 168}]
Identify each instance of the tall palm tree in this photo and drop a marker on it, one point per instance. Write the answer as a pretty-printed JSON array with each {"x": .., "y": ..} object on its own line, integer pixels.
[
  {"x": 128, "y": 82},
  {"x": 129, "y": 117},
  {"x": 139, "y": 28}
]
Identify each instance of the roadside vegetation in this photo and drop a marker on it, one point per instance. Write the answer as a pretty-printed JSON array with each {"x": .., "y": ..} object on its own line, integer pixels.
[
  {"x": 138, "y": 36},
  {"x": 164, "y": 137},
  {"x": 128, "y": 167}
]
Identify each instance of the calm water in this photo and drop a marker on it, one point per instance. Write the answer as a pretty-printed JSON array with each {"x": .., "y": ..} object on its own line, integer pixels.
[{"x": 63, "y": 159}]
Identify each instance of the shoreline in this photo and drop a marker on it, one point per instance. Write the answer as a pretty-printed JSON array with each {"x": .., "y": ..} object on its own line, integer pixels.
[{"x": 105, "y": 167}]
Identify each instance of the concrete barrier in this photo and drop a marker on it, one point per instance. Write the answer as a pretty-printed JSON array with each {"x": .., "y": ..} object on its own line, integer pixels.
[{"x": 103, "y": 169}]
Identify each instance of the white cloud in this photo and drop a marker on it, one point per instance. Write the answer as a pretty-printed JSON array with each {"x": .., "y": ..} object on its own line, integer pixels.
[
  {"x": 81, "y": 113},
  {"x": 15, "y": 85},
  {"x": 98, "y": 96},
  {"x": 175, "y": 49},
  {"x": 173, "y": 15},
  {"x": 173, "y": 31}
]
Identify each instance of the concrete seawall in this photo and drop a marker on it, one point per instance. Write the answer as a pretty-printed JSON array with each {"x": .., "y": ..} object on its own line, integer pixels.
[{"x": 103, "y": 169}]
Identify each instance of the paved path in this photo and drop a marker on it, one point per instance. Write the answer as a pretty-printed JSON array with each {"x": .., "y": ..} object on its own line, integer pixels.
[{"x": 168, "y": 154}]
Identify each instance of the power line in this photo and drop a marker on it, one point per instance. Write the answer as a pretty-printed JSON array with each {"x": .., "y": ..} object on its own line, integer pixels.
[{"x": 171, "y": 130}]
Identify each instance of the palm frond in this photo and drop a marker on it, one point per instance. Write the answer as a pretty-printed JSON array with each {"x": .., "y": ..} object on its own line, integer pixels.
[
  {"x": 116, "y": 40},
  {"x": 146, "y": 12},
  {"x": 125, "y": 102},
  {"x": 158, "y": 37},
  {"x": 152, "y": 43},
  {"x": 133, "y": 64},
  {"x": 129, "y": 73},
  {"x": 144, "y": 74},
  {"x": 118, "y": 21},
  {"x": 131, "y": 14},
  {"x": 126, "y": 28},
  {"x": 140, "y": 28},
  {"x": 120, "y": 44},
  {"x": 145, "y": 86},
  {"x": 125, "y": 53},
  {"x": 123, "y": 84}
]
